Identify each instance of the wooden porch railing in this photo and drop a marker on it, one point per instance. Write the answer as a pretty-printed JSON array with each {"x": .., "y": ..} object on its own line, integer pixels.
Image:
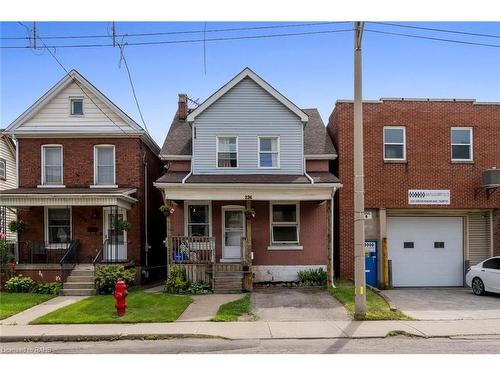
[{"x": 192, "y": 250}]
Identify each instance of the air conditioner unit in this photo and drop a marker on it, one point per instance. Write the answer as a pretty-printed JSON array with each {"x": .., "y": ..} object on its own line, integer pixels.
[{"x": 490, "y": 178}]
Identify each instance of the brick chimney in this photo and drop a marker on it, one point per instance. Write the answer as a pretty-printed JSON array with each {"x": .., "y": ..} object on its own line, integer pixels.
[{"x": 183, "y": 108}]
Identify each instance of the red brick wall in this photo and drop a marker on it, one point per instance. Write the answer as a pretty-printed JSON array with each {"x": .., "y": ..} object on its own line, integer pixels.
[
  {"x": 317, "y": 166},
  {"x": 42, "y": 276},
  {"x": 428, "y": 164},
  {"x": 179, "y": 166},
  {"x": 78, "y": 170}
]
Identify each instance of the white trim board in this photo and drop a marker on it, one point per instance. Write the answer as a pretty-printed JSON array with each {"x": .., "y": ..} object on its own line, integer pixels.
[{"x": 247, "y": 72}]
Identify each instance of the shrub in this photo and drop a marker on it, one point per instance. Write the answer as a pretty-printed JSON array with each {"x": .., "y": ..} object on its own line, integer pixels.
[
  {"x": 6, "y": 255},
  {"x": 176, "y": 281},
  {"x": 312, "y": 276},
  {"x": 199, "y": 287},
  {"x": 47, "y": 288},
  {"x": 107, "y": 276},
  {"x": 19, "y": 284}
]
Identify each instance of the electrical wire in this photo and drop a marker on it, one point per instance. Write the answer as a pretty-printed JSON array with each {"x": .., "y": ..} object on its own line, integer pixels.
[
  {"x": 433, "y": 38},
  {"x": 436, "y": 29},
  {"x": 186, "y": 41},
  {"x": 183, "y": 32}
]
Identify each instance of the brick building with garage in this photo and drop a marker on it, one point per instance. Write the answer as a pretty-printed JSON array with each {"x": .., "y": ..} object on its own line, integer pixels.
[{"x": 431, "y": 188}]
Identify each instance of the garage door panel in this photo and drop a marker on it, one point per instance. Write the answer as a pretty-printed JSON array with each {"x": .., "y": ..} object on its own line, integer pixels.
[{"x": 424, "y": 264}]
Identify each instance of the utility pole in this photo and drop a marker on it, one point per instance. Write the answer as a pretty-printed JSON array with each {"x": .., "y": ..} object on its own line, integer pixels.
[
  {"x": 114, "y": 34},
  {"x": 359, "y": 197},
  {"x": 34, "y": 35}
]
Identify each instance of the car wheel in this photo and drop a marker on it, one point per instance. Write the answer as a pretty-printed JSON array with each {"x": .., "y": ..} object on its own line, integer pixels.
[{"x": 477, "y": 286}]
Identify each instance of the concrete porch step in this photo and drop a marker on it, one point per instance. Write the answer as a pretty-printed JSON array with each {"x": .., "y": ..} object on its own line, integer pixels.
[
  {"x": 79, "y": 272},
  {"x": 80, "y": 279},
  {"x": 81, "y": 285},
  {"x": 77, "y": 292}
]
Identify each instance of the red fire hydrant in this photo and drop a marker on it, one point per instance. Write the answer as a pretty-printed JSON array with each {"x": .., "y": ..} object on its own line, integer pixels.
[{"x": 120, "y": 296}]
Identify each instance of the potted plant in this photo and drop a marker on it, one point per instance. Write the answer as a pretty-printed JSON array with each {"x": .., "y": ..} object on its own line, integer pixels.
[
  {"x": 18, "y": 226},
  {"x": 249, "y": 213},
  {"x": 122, "y": 225},
  {"x": 167, "y": 209}
]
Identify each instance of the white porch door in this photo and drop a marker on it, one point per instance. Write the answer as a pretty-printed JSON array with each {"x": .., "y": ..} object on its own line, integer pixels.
[
  {"x": 115, "y": 249},
  {"x": 233, "y": 229}
]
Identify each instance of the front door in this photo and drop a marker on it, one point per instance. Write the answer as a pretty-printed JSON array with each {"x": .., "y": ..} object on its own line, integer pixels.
[
  {"x": 233, "y": 229},
  {"x": 115, "y": 249}
]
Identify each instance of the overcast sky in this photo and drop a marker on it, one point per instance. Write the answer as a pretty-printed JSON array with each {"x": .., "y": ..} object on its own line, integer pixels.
[{"x": 311, "y": 70}]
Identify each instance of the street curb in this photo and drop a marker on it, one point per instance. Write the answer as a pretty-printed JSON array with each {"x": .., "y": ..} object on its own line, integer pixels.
[
  {"x": 80, "y": 338},
  {"x": 386, "y": 298}
]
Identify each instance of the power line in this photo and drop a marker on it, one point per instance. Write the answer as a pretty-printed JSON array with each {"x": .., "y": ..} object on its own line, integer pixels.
[
  {"x": 433, "y": 38},
  {"x": 186, "y": 41},
  {"x": 436, "y": 29},
  {"x": 122, "y": 57},
  {"x": 183, "y": 31}
]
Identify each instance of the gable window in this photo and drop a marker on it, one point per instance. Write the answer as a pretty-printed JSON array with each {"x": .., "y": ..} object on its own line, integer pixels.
[
  {"x": 269, "y": 156},
  {"x": 3, "y": 169},
  {"x": 394, "y": 143},
  {"x": 227, "y": 152},
  {"x": 197, "y": 218},
  {"x": 461, "y": 144},
  {"x": 57, "y": 225},
  {"x": 52, "y": 165},
  {"x": 104, "y": 165},
  {"x": 77, "y": 107},
  {"x": 284, "y": 223}
]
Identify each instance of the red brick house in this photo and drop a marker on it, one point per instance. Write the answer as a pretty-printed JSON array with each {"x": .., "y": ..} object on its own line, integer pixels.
[
  {"x": 429, "y": 211},
  {"x": 247, "y": 178},
  {"x": 85, "y": 174}
]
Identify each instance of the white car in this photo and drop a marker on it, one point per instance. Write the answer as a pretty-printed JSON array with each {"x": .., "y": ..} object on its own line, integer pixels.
[{"x": 484, "y": 277}]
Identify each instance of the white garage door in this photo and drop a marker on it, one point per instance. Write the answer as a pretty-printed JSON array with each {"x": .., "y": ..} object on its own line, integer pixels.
[{"x": 426, "y": 251}]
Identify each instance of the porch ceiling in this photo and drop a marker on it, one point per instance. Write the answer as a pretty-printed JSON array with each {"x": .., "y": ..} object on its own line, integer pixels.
[{"x": 29, "y": 197}]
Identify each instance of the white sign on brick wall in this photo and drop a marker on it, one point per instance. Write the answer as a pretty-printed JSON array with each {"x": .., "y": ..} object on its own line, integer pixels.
[{"x": 430, "y": 197}]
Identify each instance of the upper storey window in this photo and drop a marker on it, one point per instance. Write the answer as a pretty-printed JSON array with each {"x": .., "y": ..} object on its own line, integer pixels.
[
  {"x": 77, "y": 106},
  {"x": 227, "y": 152},
  {"x": 461, "y": 144},
  {"x": 104, "y": 165},
  {"x": 394, "y": 143},
  {"x": 3, "y": 169},
  {"x": 269, "y": 156},
  {"x": 52, "y": 165}
]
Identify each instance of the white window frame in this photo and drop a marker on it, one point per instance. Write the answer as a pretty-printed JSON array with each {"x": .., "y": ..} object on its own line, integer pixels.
[
  {"x": 186, "y": 215},
  {"x": 46, "y": 225},
  {"x": 404, "y": 143},
  {"x": 269, "y": 152},
  {"x": 288, "y": 245},
  {"x": 4, "y": 176},
  {"x": 471, "y": 148},
  {"x": 44, "y": 183},
  {"x": 96, "y": 182},
  {"x": 71, "y": 100},
  {"x": 217, "y": 152}
]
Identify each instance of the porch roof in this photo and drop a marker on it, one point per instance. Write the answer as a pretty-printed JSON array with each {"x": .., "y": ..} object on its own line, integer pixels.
[
  {"x": 318, "y": 177},
  {"x": 28, "y": 197}
]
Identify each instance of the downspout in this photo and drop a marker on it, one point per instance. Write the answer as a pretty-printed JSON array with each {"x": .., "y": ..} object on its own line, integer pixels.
[
  {"x": 17, "y": 160},
  {"x": 332, "y": 270},
  {"x": 146, "y": 226},
  {"x": 305, "y": 173}
]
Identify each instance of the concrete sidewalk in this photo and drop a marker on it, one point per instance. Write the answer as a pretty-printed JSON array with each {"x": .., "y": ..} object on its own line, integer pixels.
[{"x": 249, "y": 330}]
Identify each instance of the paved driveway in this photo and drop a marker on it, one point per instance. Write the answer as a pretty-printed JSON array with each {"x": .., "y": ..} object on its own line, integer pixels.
[
  {"x": 445, "y": 303},
  {"x": 296, "y": 304}
]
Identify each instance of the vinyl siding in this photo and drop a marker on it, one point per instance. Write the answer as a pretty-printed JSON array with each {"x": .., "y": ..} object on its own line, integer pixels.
[
  {"x": 55, "y": 116},
  {"x": 10, "y": 182},
  {"x": 247, "y": 111},
  {"x": 479, "y": 237}
]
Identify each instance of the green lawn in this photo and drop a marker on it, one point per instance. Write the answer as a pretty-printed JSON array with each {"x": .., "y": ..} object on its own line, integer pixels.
[
  {"x": 376, "y": 307},
  {"x": 13, "y": 303},
  {"x": 231, "y": 311},
  {"x": 142, "y": 308}
]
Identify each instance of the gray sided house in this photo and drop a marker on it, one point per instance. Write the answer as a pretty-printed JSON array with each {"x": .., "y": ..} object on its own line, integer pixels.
[{"x": 248, "y": 184}]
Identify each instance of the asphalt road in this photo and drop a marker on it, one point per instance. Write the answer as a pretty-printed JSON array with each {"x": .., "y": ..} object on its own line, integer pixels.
[{"x": 390, "y": 345}]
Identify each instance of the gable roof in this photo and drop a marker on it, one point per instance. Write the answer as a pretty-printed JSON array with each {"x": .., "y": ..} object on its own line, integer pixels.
[
  {"x": 87, "y": 88},
  {"x": 9, "y": 142},
  {"x": 317, "y": 143},
  {"x": 247, "y": 72}
]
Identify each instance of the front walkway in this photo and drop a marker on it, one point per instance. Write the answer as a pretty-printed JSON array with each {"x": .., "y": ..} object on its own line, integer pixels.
[
  {"x": 26, "y": 316},
  {"x": 279, "y": 304},
  {"x": 444, "y": 303},
  {"x": 205, "y": 307}
]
